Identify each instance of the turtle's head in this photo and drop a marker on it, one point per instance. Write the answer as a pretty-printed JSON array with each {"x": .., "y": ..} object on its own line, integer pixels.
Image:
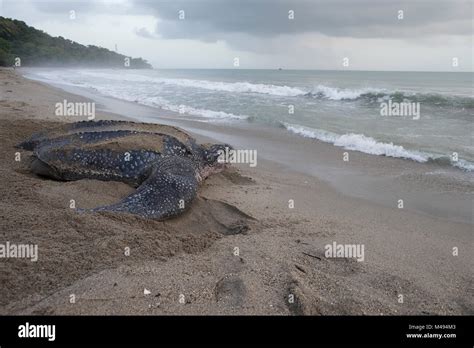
[{"x": 215, "y": 158}]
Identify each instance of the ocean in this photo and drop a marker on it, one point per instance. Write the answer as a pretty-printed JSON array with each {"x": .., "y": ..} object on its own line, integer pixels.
[{"x": 430, "y": 114}]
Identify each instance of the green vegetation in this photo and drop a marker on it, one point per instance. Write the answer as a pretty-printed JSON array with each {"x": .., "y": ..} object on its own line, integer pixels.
[{"x": 36, "y": 48}]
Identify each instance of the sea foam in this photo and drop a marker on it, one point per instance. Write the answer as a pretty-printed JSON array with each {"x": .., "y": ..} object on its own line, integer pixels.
[
  {"x": 320, "y": 91},
  {"x": 365, "y": 144},
  {"x": 357, "y": 142}
]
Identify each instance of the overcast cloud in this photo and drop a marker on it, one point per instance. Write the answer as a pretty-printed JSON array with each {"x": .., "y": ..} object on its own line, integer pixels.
[{"x": 261, "y": 33}]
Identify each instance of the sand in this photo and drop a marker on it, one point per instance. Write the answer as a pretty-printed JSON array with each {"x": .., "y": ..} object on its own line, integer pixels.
[{"x": 273, "y": 263}]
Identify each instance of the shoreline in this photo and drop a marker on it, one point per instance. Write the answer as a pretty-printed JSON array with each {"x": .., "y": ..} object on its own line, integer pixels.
[
  {"x": 406, "y": 252},
  {"x": 378, "y": 179}
]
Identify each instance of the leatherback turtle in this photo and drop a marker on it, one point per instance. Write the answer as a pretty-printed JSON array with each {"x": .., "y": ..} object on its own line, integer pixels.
[{"x": 164, "y": 163}]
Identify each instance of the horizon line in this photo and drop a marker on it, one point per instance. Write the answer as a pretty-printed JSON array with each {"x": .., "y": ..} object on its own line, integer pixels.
[
  {"x": 329, "y": 70},
  {"x": 269, "y": 69}
]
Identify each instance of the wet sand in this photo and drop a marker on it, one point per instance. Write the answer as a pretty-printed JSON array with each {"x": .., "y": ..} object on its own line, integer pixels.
[{"x": 194, "y": 264}]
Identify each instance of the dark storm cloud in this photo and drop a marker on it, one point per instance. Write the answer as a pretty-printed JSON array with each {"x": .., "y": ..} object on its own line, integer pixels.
[
  {"x": 214, "y": 19},
  {"x": 55, "y": 6},
  {"x": 239, "y": 21},
  {"x": 82, "y": 7}
]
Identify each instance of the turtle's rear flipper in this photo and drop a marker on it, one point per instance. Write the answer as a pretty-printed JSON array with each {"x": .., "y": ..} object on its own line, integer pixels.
[{"x": 168, "y": 191}]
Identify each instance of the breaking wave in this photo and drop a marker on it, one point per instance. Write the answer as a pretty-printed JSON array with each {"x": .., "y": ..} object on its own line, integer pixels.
[
  {"x": 365, "y": 144},
  {"x": 376, "y": 95},
  {"x": 233, "y": 87},
  {"x": 368, "y": 94}
]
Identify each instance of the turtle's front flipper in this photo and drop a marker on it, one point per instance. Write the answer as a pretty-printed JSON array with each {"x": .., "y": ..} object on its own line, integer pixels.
[{"x": 168, "y": 191}]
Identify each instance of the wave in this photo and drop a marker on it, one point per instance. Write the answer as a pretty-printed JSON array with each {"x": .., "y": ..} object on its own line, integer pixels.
[
  {"x": 358, "y": 142},
  {"x": 237, "y": 87},
  {"x": 365, "y": 144},
  {"x": 185, "y": 109},
  {"x": 333, "y": 93},
  {"x": 369, "y": 94},
  {"x": 135, "y": 95},
  {"x": 234, "y": 87},
  {"x": 164, "y": 104},
  {"x": 377, "y": 95}
]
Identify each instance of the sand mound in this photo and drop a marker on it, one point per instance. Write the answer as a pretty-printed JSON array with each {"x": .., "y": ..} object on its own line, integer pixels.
[{"x": 71, "y": 246}]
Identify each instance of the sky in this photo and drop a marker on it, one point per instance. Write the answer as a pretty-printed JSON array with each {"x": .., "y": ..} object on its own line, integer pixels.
[{"x": 392, "y": 35}]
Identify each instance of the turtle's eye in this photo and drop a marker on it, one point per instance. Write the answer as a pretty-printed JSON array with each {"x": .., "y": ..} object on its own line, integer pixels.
[{"x": 216, "y": 151}]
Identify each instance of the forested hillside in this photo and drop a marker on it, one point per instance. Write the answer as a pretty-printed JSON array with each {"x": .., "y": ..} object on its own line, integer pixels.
[{"x": 36, "y": 48}]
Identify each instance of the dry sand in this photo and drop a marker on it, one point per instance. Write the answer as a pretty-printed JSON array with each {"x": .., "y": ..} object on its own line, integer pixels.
[{"x": 196, "y": 264}]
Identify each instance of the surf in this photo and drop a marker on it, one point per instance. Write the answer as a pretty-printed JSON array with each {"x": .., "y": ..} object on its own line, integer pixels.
[{"x": 369, "y": 145}]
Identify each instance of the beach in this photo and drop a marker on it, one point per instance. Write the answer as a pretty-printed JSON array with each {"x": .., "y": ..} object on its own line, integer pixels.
[{"x": 301, "y": 197}]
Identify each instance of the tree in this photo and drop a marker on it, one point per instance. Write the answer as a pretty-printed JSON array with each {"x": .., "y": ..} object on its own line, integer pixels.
[{"x": 37, "y": 48}]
